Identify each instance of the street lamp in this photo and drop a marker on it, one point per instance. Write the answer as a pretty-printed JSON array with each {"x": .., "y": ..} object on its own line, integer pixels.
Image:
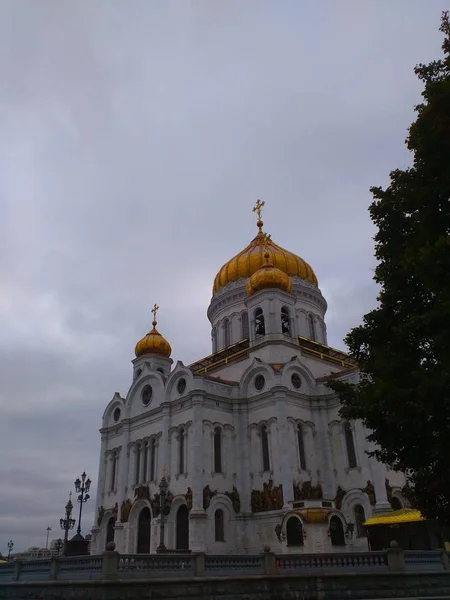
[
  {"x": 46, "y": 543},
  {"x": 82, "y": 488},
  {"x": 58, "y": 545},
  {"x": 163, "y": 487},
  {"x": 67, "y": 523},
  {"x": 10, "y": 547}
]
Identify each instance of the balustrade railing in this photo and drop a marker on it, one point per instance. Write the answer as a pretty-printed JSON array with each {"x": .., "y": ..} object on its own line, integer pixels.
[
  {"x": 222, "y": 564},
  {"x": 112, "y": 565},
  {"x": 354, "y": 560}
]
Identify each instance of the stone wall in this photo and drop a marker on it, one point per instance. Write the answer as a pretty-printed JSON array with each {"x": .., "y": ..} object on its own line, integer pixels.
[{"x": 286, "y": 587}]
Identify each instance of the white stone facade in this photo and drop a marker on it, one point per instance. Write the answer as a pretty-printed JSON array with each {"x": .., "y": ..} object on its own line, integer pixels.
[{"x": 230, "y": 430}]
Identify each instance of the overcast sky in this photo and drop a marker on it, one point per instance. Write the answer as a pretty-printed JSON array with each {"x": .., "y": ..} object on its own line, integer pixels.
[{"x": 135, "y": 137}]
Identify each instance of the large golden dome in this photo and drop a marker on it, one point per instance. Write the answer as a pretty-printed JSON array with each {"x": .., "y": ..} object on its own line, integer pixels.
[
  {"x": 249, "y": 260},
  {"x": 269, "y": 277},
  {"x": 153, "y": 342}
]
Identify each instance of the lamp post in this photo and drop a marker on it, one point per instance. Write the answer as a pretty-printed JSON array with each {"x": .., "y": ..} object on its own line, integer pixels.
[
  {"x": 46, "y": 543},
  {"x": 58, "y": 545},
  {"x": 82, "y": 488},
  {"x": 67, "y": 523},
  {"x": 163, "y": 487},
  {"x": 10, "y": 546}
]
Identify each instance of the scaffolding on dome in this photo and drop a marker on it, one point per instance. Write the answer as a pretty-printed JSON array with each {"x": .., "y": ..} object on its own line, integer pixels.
[
  {"x": 221, "y": 358},
  {"x": 326, "y": 353}
]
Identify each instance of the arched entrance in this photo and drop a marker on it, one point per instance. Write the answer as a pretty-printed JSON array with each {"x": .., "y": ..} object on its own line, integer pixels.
[
  {"x": 183, "y": 528},
  {"x": 294, "y": 532},
  {"x": 110, "y": 531},
  {"x": 143, "y": 543},
  {"x": 337, "y": 534}
]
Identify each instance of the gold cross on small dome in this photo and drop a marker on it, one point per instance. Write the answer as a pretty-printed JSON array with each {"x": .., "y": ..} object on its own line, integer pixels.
[
  {"x": 257, "y": 209},
  {"x": 154, "y": 311}
]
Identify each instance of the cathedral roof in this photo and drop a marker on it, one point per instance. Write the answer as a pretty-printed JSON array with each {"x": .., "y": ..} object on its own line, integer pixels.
[
  {"x": 251, "y": 258},
  {"x": 153, "y": 342}
]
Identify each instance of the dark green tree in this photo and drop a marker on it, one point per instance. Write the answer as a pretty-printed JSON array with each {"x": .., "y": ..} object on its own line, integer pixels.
[{"x": 403, "y": 345}]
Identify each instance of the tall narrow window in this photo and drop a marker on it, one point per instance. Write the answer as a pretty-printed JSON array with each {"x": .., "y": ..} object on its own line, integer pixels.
[
  {"x": 152, "y": 459},
  {"x": 227, "y": 333},
  {"x": 217, "y": 450},
  {"x": 214, "y": 339},
  {"x": 265, "y": 448},
  {"x": 350, "y": 444},
  {"x": 260, "y": 327},
  {"x": 145, "y": 458},
  {"x": 312, "y": 330},
  {"x": 301, "y": 448},
  {"x": 285, "y": 323},
  {"x": 137, "y": 476},
  {"x": 113, "y": 472},
  {"x": 181, "y": 452},
  {"x": 360, "y": 518},
  {"x": 219, "y": 526},
  {"x": 244, "y": 321}
]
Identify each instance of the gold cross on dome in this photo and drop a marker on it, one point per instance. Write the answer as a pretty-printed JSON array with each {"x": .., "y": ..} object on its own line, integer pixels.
[
  {"x": 154, "y": 311},
  {"x": 257, "y": 208}
]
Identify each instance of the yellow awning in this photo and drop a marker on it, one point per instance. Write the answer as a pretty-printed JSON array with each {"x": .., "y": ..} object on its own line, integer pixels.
[{"x": 404, "y": 515}]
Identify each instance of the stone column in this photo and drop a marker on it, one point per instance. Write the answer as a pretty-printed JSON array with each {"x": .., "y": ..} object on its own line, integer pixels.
[
  {"x": 197, "y": 515},
  {"x": 123, "y": 462},
  {"x": 323, "y": 450},
  {"x": 283, "y": 457},
  {"x": 236, "y": 328},
  {"x": 379, "y": 483},
  {"x": 101, "y": 474},
  {"x": 132, "y": 468},
  {"x": 163, "y": 450}
]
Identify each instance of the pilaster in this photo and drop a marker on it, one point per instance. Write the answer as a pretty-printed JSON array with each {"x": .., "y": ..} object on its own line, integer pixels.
[
  {"x": 122, "y": 475},
  {"x": 283, "y": 466}
]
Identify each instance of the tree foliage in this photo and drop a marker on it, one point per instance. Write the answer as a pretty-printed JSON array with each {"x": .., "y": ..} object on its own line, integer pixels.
[{"x": 403, "y": 345}]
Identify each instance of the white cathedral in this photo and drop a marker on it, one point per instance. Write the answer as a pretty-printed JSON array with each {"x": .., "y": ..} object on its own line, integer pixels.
[{"x": 249, "y": 439}]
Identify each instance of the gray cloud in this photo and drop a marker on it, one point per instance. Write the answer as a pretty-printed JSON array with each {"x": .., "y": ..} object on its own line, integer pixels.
[{"x": 135, "y": 138}]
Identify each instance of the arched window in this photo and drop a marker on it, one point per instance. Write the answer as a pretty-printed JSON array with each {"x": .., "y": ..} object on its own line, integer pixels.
[
  {"x": 227, "y": 333},
  {"x": 145, "y": 457},
  {"x": 113, "y": 472},
  {"x": 301, "y": 448},
  {"x": 294, "y": 532},
  {"x": 260, "y": 327},
  {"x": 360, "y": 518},
  {"x": 265, "y": 448},
  {"x": 152, "y": 459},
  {"x": 137, "y": 476},
  {"x": 219, "y": 528},
  {"x": 285, "y": 322},
  {"x": 214, "y": 339},
  {"x": 244, "y": 322},
  {"x": 110, "y": 531},
  {"x": 395, "y": 503},
  {"x": 181, "y": 452},
  {"x": 350, "y": 445},
  {"x": 217, "y": 450},
  {"x": 337, "y": 532},
  {"x": 312, "y": 330}
]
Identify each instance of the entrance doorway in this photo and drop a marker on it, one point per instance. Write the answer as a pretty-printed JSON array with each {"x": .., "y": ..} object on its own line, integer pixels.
[
  {"x": 143, "y": 544},
  {"x": 183, "y": 528}
]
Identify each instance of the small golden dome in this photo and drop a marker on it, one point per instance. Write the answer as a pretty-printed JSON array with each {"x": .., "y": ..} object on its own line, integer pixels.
[
  {"x": 249, "y": 260},
  {"x": 268, "y": 277},
  {"x": 153, "y": 342}
]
